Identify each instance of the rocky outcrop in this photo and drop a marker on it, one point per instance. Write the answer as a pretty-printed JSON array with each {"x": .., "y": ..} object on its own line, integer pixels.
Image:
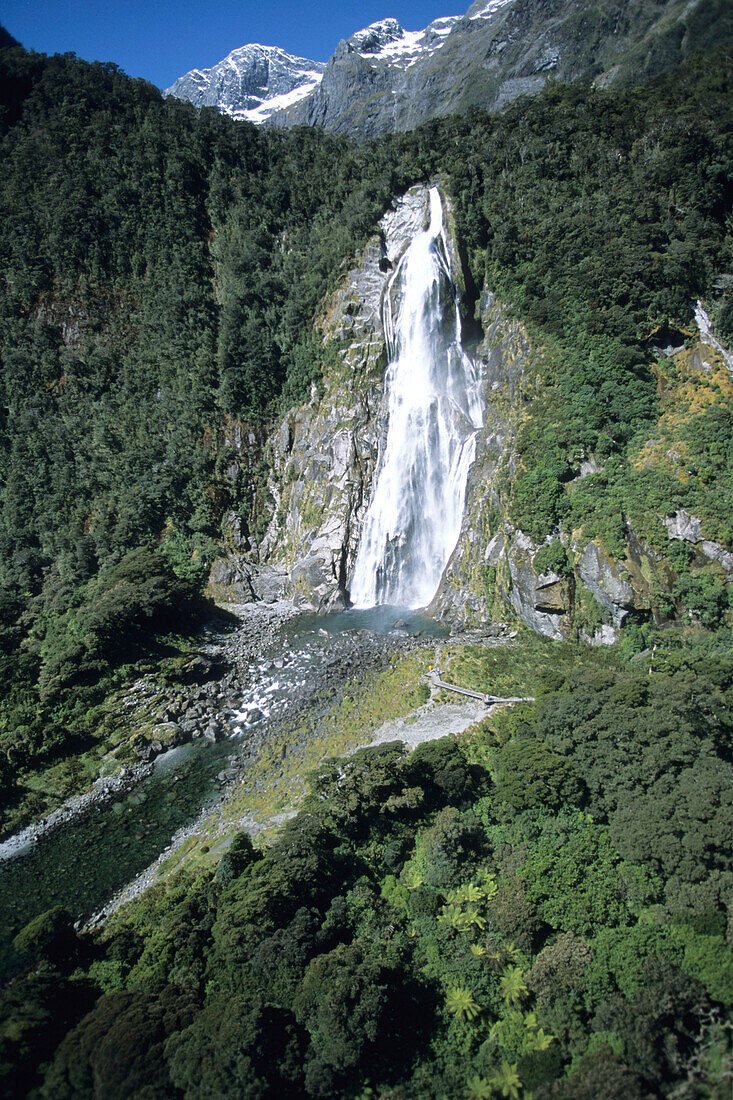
[
  {"x": 607, "y": 580},
  {"x": 234, "y": 579},
  {"x": 688, "y": 528},
  {"x": 544, "y": 601}
]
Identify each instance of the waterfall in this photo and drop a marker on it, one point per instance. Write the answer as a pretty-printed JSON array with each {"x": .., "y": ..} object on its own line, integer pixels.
[{"x": 434, "y": 412}]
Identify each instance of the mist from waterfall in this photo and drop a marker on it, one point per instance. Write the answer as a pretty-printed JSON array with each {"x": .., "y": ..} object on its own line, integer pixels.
[{"x": 434, "y": 412}]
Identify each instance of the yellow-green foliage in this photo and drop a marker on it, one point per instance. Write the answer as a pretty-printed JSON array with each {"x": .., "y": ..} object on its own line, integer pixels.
[{"x": 522, "y": 667}]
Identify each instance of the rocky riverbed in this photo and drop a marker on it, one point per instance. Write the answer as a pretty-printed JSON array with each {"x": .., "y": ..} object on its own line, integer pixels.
[
  {"x": 253, "y": 695},
  {"x": 343, "y": 665},
  {"x": 209, "y": 691}
]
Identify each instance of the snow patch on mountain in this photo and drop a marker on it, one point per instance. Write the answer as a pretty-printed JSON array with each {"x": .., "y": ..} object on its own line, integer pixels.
[
  {"x": 390, "y": 42},
  {"x": 269, "y": 104},
  {"x": 487, "y": 10},
  {"x": 251, "y": 82}
]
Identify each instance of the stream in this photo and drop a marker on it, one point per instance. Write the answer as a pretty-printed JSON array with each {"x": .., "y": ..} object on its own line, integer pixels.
[{"x": 81, "y": 863}]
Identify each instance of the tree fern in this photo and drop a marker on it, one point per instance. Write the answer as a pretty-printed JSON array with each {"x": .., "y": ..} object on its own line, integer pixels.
[{"x": 460, "y": 1002}]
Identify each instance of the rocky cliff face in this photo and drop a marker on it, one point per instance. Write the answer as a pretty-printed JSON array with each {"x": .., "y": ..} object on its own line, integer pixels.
[
  {"x": 322, "y": 455},
  {"x": 385, "y": 78}
]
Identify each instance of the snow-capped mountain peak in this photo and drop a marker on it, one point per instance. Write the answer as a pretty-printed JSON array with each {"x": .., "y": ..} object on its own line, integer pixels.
[
  {"x": 388, "y": 41},
  {"x": 251, "y": 82}
]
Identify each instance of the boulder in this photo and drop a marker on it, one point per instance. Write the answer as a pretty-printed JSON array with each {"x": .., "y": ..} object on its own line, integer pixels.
[{"x": 214, "y": 732}]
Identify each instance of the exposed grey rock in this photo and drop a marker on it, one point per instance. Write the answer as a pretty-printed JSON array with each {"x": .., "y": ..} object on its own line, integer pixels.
[
  {"x": 688, "y": 528},
  {"x": 544, "y": 602},
  {"x": 683, "y": 526},
  {"x": 608, "y": 581},
  {"x": 236, "y": 579},
  {"x": 603, "y": 635},
  {"x": 103, "y": 789},
  {"x": 588, "y": 466},
  {"x": 214, "y": 732},
  {"x": 234, "y": 531},
  {"x": 71, "y": 318},
  {"x": 384, "y": 78}
]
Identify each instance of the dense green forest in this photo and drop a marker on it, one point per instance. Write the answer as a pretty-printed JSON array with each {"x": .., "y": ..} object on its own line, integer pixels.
[
  {"x": 162, "y": 269},
  {"x": 541, "y": 908}
]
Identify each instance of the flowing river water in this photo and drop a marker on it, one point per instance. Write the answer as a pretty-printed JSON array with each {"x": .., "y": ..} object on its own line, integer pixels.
[{"x": 82, "y": 862}]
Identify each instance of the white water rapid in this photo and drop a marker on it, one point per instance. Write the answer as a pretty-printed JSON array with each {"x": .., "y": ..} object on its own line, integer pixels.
[{"x": 434, "y": 412}]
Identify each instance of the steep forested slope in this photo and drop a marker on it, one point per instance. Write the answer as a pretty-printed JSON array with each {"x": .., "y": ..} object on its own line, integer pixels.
[
  {"x": 537, "y": 910},
  {"x": 162, "y": 268},
  {"x": 546, "y": 904}
]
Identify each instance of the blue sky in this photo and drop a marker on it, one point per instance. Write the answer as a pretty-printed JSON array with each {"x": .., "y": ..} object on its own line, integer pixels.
[{"x": 162, "y": 39}]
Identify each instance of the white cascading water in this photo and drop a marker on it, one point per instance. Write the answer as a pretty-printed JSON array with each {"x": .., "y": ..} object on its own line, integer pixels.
[{"x": 434, "y": 412}]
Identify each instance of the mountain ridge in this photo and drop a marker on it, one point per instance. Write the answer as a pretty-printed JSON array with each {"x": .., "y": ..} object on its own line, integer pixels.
[{"x": 384, "y": 78}]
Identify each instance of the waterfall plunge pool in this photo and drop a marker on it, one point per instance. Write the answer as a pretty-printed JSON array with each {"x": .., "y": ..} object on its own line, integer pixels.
[{"x": 381, "y": 619}]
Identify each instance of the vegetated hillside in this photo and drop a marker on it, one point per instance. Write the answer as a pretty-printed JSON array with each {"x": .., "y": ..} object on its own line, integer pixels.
[
  {"x": 160, "y": 270},
  {"x": 539, "y": 909},
  {"x": 546, "y": 904},
  {"x": 162, "y": 267}
]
